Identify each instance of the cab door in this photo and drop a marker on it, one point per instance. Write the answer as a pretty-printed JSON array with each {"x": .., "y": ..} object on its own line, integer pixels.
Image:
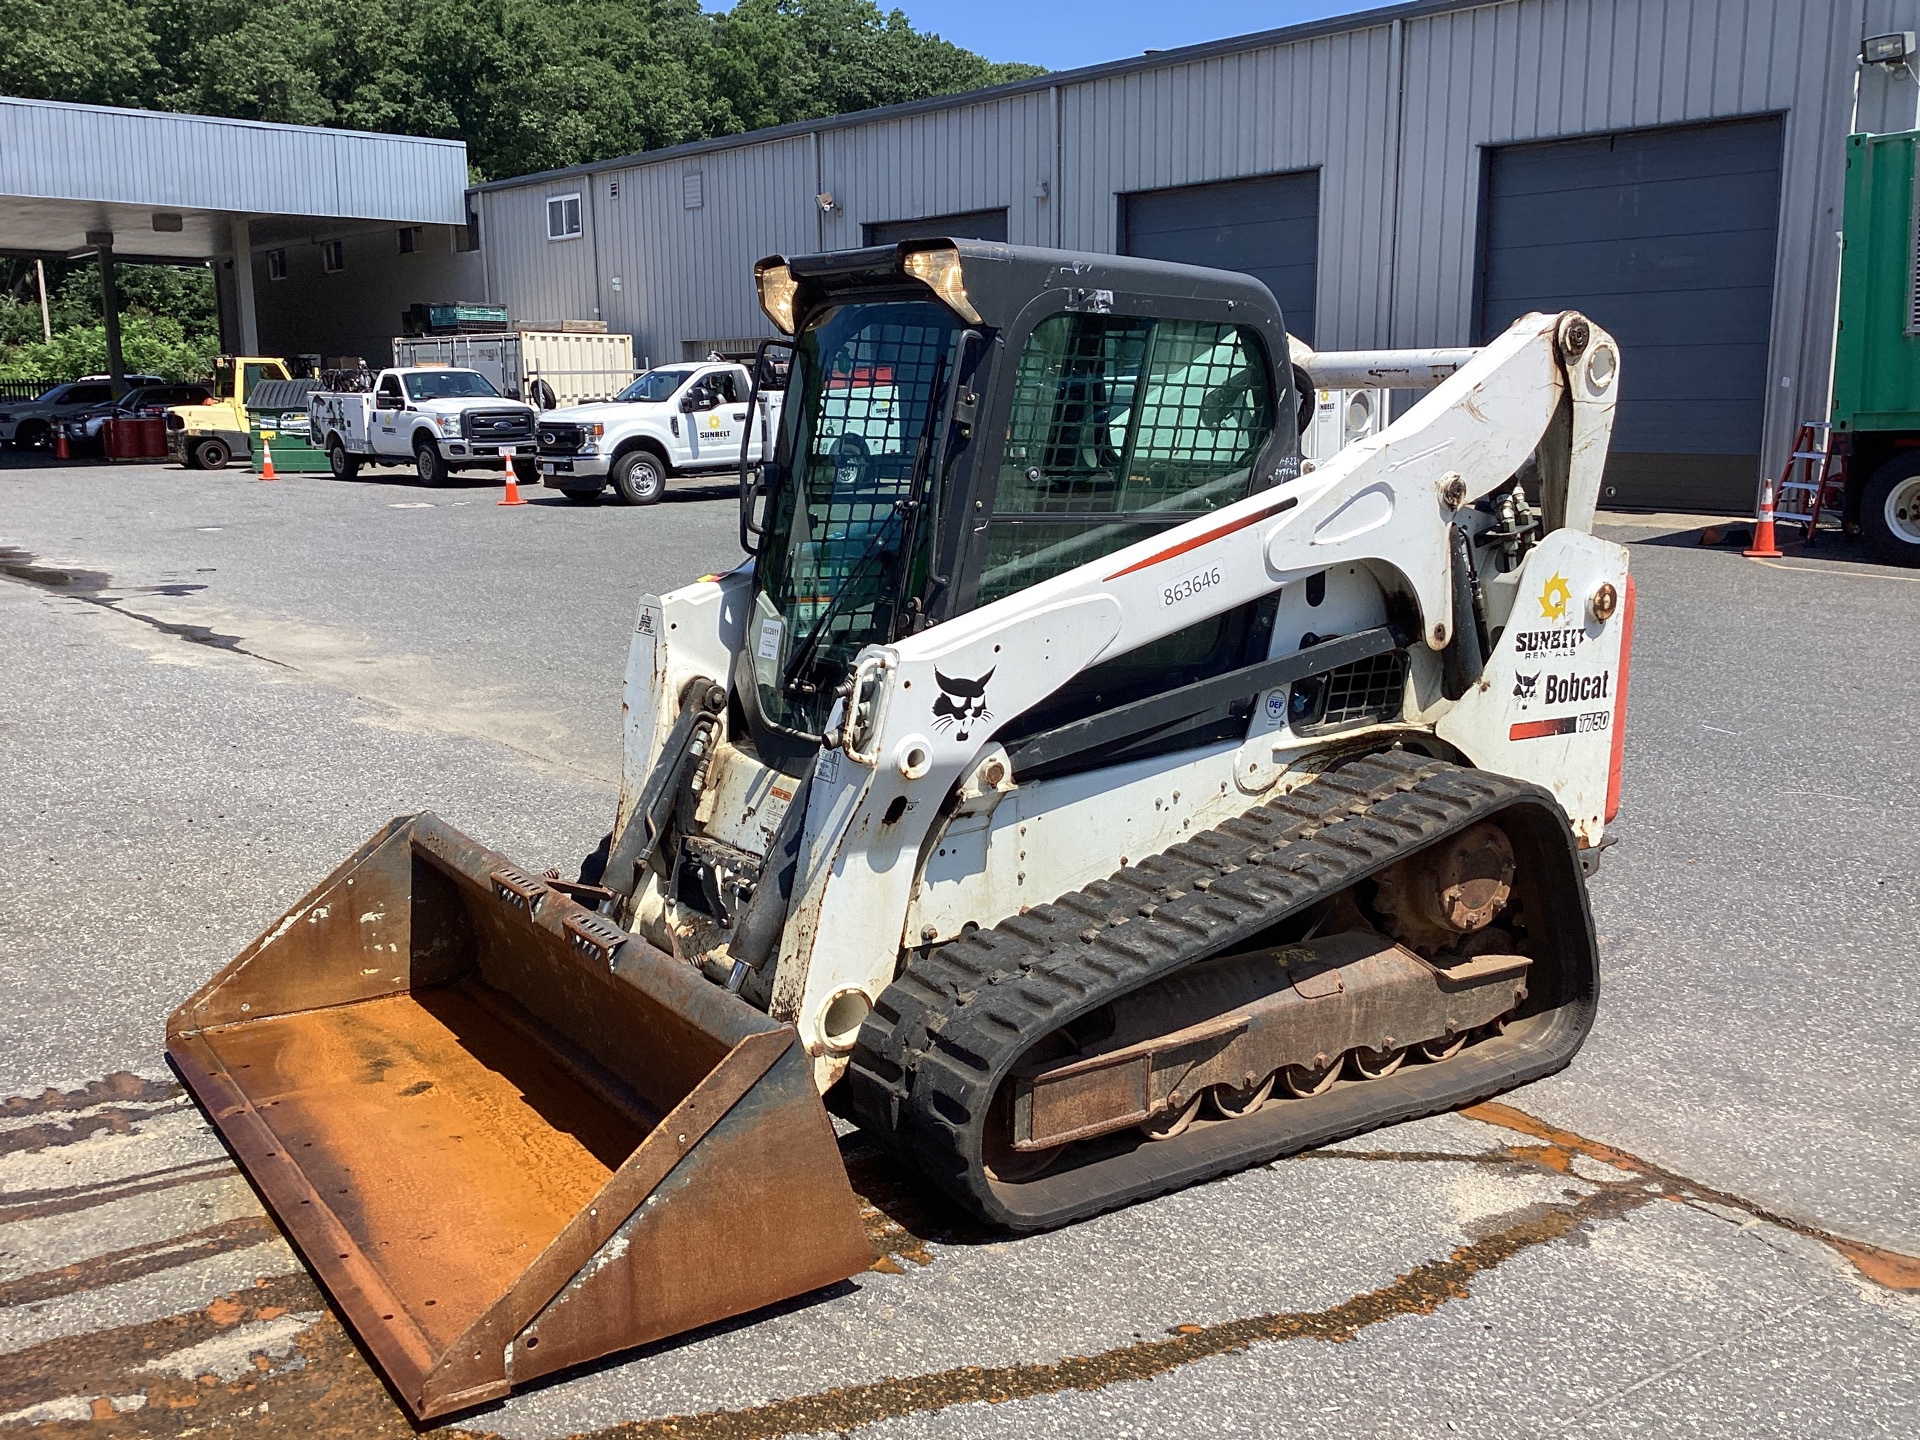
[
  {"x": 717, "y": 419},
  {"x": 387, "y": 433}
]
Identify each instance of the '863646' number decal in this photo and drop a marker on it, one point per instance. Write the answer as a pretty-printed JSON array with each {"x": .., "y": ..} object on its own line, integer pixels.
[{"x": 1191, "y": 586}]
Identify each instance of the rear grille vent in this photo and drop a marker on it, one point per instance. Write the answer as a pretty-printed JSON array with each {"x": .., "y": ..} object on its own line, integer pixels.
[{"x": 1367, "y": 692}]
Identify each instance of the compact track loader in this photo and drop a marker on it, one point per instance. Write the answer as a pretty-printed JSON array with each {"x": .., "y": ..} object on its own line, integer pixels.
[{"x": 1078, "y": 790}]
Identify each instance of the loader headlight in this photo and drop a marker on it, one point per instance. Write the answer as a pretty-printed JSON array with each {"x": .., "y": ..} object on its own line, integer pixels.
[
  {"x": 938, "y": 268},
  {"x": 778, "y": 292}
]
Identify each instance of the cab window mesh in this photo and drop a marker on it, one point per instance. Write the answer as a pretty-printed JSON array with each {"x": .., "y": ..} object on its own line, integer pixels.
[
  {"x": 868, "y": 379},
  {"x": 1119, "y": 427}
]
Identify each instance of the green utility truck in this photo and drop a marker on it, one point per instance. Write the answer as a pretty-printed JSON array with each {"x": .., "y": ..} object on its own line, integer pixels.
[{"x": 1876, "y": 371}]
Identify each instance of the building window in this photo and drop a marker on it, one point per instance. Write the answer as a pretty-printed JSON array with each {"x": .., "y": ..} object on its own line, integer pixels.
[
  {"x": 409, "y": 239},
  {"x": 333, "y": 256},
  {"x": 563, "y": 217},
  {"x": 276, "y": 264}
]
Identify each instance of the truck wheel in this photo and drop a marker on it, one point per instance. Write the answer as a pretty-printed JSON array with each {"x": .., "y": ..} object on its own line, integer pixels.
[
  {"x": 210, "y": 454},
  {"x": 33, "y": 435},
  {"x": 343, "y": 465},
  {"x": 1890, "y": 510},
  {"x": 429, "y": 464},
  {"x": 527, "y": 472},
  {"x": 582, "y": 497},
  {"x": 639, "y": 478}
]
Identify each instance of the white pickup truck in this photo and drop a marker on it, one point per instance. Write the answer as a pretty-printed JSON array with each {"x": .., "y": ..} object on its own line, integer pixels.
[
  {"x": 437, "y": 420},
  {"x": 673, "y": 420}
]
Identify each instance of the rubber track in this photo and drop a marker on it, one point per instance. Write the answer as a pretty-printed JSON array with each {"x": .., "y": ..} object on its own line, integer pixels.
[{"x": 932, "y": 1053}]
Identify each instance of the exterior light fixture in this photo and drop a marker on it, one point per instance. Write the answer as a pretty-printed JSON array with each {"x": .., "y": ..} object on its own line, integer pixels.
[
  {"x": 778, "y": 290},
  {"x": 938, "y": 268},
  {"x": 1889, "y": 50}
]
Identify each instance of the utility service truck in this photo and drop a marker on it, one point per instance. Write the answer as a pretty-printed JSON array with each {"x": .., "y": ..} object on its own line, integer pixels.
[
  {"x": 1078, "y": 794},
  {"x": 436, "y": 419},
  {"x": 674, "y": 420}
]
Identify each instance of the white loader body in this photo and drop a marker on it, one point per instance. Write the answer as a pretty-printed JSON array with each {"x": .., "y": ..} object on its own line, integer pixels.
[{"x": 883, "y": 868}]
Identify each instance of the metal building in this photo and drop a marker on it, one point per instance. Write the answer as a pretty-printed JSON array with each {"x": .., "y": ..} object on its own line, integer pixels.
[
  {"x": 1415, "y": 175},
  {"x": 300, "y": 203}
]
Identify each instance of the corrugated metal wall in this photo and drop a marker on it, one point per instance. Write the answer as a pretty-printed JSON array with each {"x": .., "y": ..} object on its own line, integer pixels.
[
  {"x": 193, "y": 162},
  {"x": 973, "y": 157},
  {"x": 1395, "y": 113},
  {"x": 356, "y": 310}
]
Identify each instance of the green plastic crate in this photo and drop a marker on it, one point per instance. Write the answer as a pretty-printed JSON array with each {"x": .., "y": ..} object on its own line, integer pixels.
[{"x": 467, "y": 317}]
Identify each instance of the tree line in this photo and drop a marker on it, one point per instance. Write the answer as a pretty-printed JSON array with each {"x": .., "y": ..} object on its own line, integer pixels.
[{"x": 528, "y": 84}]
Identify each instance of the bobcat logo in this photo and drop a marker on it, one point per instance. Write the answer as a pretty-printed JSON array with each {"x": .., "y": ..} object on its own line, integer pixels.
[
  {"x": 961, "y": 702},
  {"x": 1523, "y": 685}
]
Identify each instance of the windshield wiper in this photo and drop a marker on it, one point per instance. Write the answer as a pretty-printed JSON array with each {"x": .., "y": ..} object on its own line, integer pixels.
[{"x": 803, "y": 657}]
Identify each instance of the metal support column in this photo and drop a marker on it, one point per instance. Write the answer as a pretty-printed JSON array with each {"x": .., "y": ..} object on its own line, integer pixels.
[
  {"x": 102, "y": 242},
  {"x": 249, "y": 336}
]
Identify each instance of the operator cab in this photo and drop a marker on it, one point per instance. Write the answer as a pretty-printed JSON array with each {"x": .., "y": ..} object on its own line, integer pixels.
[{"x": 965, "y": 420}]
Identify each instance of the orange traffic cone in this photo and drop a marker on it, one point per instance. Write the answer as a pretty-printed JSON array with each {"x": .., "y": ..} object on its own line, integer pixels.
[
  {"x": 266, "y": 462},
  {"x": 512, "y": 497},
  {"x": 60, "y": 451},
  {"x": 1763, "y": 547}
]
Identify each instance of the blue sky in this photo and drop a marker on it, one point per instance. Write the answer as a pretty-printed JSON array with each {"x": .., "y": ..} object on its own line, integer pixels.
[{"x": 1063, "y": 34}]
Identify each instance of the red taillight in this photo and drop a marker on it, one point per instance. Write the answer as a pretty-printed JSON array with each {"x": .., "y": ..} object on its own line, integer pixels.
[{"x": 1620, "y": 706}]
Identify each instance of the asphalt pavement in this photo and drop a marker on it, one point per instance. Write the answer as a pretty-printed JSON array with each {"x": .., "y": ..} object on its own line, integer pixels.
[{"x": 216, "y": 687}]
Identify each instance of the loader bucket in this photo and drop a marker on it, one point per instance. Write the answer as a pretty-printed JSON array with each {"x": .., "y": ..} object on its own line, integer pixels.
[{"x": 506, "y": 1135}]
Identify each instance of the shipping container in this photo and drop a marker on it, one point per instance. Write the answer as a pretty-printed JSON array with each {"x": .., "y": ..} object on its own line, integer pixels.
[{"x": 574, "y": 367}]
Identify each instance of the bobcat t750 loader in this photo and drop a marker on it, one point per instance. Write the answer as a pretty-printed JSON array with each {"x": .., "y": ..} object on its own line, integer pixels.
[{"x": 1078, "y": 791}]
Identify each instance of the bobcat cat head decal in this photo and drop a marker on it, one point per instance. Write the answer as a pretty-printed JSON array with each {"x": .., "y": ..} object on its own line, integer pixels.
[{"x": 961, "y": 702}]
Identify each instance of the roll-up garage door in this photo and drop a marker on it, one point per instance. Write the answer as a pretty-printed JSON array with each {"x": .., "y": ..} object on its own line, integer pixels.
[
  {"x": 1666, "y": 237},
  {"x": 971, "y": 225},
  {"x": 1267, "y": 227}
]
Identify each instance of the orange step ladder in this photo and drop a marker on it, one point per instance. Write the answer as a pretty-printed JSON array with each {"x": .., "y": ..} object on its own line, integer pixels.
[{"x": 1821, "y": 486}]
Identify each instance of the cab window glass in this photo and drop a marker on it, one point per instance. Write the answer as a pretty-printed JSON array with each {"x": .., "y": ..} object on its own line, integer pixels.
[
  {"x": 722, "y": 386},
  {"x": 1121, "y": 427}
]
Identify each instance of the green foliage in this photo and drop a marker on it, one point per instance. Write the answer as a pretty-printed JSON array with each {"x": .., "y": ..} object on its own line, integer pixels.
[
  {"x": 168, "y": 322},
  {"x": 183, "y": 293},
  {"x": 528, "y": 84},
  {"x": 151, "y": 345}
]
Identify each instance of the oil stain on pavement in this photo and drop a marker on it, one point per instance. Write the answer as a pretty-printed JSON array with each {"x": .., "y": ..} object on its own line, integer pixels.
[{"x": 123, "y": 1336}]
